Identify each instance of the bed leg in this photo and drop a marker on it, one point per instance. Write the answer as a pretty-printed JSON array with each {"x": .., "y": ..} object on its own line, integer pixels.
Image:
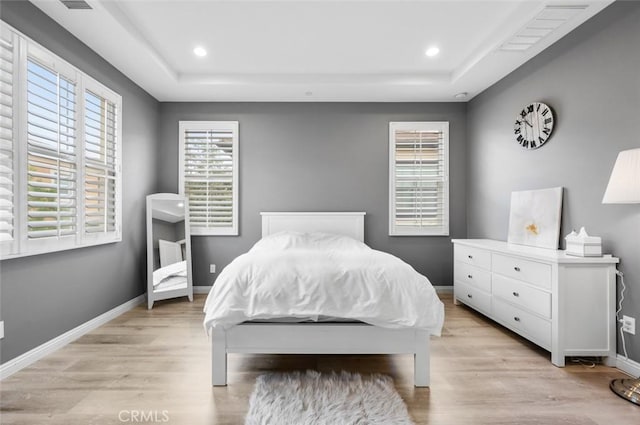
[
  {"x": 421, "y": 360},
  {"x": 218, "y": 357}
]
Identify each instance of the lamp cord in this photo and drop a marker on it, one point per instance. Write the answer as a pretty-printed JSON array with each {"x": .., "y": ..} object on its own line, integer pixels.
[{"x": 618, "y": 319}]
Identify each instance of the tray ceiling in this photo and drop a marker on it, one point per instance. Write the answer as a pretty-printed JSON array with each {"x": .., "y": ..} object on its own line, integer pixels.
[{"x": 353, "y": 50}]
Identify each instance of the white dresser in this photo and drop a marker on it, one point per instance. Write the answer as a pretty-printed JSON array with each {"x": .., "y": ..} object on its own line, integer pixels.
[{"x": 562, "y": 303}]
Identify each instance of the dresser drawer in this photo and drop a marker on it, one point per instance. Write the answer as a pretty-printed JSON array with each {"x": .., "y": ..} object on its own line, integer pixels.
[
  {"x": 523, "y": 295},
  {"x": 532, "y": 327},
  {"x": 535, "y": 273},
  {"x": 472, "y": 275},
  {"x": 474, "y": 256},
  {"x": 473, "y": 297}
]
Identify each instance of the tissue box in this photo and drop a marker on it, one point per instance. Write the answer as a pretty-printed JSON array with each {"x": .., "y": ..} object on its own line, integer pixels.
[
  {"x": 583, "y": 245},
  {"x": 584, "y": 249}
]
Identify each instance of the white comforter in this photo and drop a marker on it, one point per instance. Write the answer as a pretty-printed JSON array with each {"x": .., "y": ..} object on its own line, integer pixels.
[
  {"x": 178, "y": 269},
  {"x": 307, "y": 275}
]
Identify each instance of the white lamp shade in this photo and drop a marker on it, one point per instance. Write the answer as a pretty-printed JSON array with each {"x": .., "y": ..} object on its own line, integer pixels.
[{"x": 624, "y": 184}]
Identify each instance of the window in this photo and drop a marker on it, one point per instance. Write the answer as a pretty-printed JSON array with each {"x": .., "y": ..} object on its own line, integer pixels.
[
  {"x": 418, "y": 178},
  {"x": 7, "y": 159},
  {"x": 52, "y": 175},
  {"x": 209, "y": 175},
  {"x": 100, "y": 164},
  {"x": 59, "y": 153}
]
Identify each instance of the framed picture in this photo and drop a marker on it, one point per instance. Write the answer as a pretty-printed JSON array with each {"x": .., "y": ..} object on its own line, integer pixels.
[{"x": 534, "y": 218}]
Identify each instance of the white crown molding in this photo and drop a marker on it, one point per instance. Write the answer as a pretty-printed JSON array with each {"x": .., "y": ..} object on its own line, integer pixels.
[
  {"x": 319, "y": 79},
  {"x": 112, "y": 8},
  {"x": 486, "y": 47}
]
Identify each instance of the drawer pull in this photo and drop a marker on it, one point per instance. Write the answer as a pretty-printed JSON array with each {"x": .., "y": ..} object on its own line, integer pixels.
[
  {"x": 516, "y": 294},
  {"x": 516, "y": 268},
  {"x": 469, "y": 296},
  {"x": 516, "y": 318},
  {"x": 470, "y": 257},
  {"x": 469, "y": 276}
]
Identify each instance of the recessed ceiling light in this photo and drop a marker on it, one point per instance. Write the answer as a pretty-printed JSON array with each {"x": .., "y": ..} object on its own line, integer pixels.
[
  {"x": 432, "y": 51},
  {"x": 461, "y": 95},
  {"x": 180, "y": 204},
  {"x": 200, "y": 52}
]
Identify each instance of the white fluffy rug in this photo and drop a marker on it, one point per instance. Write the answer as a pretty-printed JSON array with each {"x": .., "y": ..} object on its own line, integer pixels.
[{"x": 312, "y": 398}]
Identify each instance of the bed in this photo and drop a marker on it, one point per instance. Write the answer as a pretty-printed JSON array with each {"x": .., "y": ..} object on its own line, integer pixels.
[{"x": 360, "y": 333}]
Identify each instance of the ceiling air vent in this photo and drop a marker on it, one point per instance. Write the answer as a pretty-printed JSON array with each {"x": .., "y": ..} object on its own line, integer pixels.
[
  {"x": 76, "y": 4},
  {"x": 545, "y": 22}
]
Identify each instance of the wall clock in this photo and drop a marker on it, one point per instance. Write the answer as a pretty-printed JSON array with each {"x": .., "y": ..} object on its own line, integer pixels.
[{"x": 534, "y": 125}]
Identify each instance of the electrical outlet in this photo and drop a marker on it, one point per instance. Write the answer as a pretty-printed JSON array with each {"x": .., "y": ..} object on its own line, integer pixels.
[
  {"x": 2, "y": 329},
  {"x": 629, "y": 325},
  {"x": 212, "y": 268}
]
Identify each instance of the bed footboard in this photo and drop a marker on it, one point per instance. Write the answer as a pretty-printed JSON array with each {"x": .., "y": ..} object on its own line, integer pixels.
[{"x": 317, "y": 338}]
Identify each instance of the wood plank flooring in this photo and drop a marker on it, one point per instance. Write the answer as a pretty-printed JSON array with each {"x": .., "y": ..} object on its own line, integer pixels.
[{"x": 153, "y": 367}]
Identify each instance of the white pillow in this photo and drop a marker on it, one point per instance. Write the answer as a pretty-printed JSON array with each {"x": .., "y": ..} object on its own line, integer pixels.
[{"x": 332, "y": 241}]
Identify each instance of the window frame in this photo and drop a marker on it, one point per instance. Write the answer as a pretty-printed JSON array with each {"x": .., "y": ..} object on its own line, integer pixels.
[
  {"x": 234, "y": 127},
  {"x": 99, "y": 89},
  {"x": 443, "y": 228},
  {"x": 12, "y": 38},
  {"x": 21, "y": 245}
]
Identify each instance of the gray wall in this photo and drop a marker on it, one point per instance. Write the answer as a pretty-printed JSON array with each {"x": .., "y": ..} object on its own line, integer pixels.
[
  {"x": 319, "y": 157},
  {"x": 46, "y": 295},
  {"x": 591, "y": 78}
]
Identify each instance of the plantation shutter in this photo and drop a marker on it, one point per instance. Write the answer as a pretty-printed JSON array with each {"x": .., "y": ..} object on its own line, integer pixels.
[
  {"x": 7, "y": 194},
  {"x": 419, "y": 178},
  {"x": 59, "y": 153},
  {"x": 208, "y": 163},
  {"x": 51, "y": 153},
  {"x": 100, "y": 164}
]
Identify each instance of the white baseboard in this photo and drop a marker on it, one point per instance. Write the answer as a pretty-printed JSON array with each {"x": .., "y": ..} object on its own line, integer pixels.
[
  {"x": 201, "y": 289},
  {"x": 14, "y": 365},
  {"x": 444, "y": 289},
  {"x": 628, "y": 366}
]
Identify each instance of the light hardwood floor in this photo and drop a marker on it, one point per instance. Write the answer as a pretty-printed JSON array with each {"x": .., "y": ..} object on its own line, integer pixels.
[{"x": 157, "y": 362}]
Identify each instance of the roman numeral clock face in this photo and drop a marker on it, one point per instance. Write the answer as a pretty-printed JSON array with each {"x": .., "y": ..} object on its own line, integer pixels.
[{"x": 534, "y": 125}]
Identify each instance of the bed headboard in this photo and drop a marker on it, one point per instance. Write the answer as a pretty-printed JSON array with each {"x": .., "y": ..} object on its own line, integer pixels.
[
  {"x": 340, "y": 223},
  {"x": 170, "y": 252}
]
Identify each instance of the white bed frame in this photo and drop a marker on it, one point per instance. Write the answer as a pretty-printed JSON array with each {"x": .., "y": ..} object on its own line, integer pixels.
[{"x": 318, "y": 338}]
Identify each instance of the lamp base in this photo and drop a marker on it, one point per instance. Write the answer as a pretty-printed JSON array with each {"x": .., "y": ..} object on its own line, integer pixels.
[{"x": 629, "y": 389}]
